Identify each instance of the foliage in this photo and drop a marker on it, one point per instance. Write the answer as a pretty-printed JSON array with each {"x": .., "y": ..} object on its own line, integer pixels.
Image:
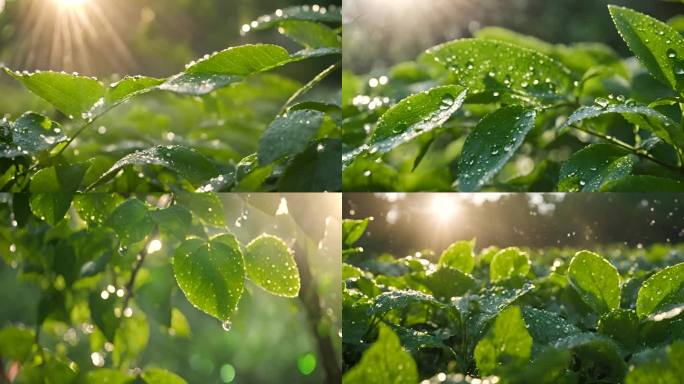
[
  {"x": 529, "y": 116},
  {"x": 227, "y": 122},
  {"x": 106, "y": 269},
  {"x": 518, "y": 316}
]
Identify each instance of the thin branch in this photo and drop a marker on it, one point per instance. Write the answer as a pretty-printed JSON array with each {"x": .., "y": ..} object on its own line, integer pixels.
[
  {"x": 306, "y": 88},
  {"x": 622, "y": 144}
]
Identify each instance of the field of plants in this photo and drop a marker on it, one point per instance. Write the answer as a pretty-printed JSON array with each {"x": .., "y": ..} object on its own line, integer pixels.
[
  {"x": 170, "y": 288},
  {"x": 232, "y": 120},
  {"x": 555, "y": 315},
  {"x": 505, "y": 111}
]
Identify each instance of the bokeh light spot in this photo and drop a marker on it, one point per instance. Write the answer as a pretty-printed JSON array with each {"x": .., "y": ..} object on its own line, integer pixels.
[{"x": 306, "y": 363}]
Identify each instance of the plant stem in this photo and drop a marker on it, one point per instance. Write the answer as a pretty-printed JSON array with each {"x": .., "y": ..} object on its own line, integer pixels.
[
  {"x": 308, "y": 86},
  {"x": 628, "y": 147}
]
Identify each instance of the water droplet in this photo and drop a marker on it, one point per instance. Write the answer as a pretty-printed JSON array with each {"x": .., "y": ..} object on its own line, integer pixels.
[{"x": 227, "y": 325}]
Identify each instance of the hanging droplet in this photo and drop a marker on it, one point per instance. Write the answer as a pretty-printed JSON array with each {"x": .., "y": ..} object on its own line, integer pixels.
[{"x": 227, "y": 325}]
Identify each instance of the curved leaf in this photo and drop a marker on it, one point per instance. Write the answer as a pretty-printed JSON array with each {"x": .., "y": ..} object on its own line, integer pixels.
[
  {"x": 509, "y": 263},
  {"x": 288, "y": 135},
  {"x": 459, "y": 255},
  {"x": 131, "y": 221},
  {"x": 410, "y": 118},
  {"x": 593, "y": 166},
  {"x": 503, "y": 68},
  {"x": 270, "y": 264},
  {"x": 643, "y": 183},
  {"x": 28, "y": 135},
  {"x": 661, "y": 292},
  {"x": 331, "y": 14},
  {"x": 52, "y": 190},
  {"x": 507, "y": 342},
  {"x": 187, "y": 162},
  {"x": 595, "y": 280},
  {"x": 659, "y": 47},
  {"x": 70, "y": 94},
  {"x": 491, "y": 144},
  {"x": 211, "y": 275}
]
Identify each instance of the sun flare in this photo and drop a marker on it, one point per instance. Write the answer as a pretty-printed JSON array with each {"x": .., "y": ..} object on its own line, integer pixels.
[
  {"x": 443, "y": 208},
  {"x": 71, "y": 3}
]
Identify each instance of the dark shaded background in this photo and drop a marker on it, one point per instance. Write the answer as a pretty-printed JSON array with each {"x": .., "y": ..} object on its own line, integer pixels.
[
  {"x": 534, "y": 220},
  {"x": 379, "y": 33}
]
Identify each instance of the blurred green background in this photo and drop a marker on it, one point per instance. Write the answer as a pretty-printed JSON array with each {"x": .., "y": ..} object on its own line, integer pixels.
[
  {"x": 272, "y": 339},
  {"x": 380, "y": 33}
]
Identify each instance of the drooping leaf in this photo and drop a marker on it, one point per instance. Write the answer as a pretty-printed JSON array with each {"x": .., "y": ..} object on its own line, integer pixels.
[
  {"x": 661, "y": 292},
  {"x": 211, "y": 275},
  {"x": 595, "y": 280},
  {"x": 507, "y": 343},
  {"x": 410, "y": 118},
  {"x": 131, "y": 221},
  {"x": 641, "y": 115},
  {"x": 659, "y": 47},
  {"x": 102, "y": 314},
  {"x": 288, "y": 135},
  {"x": 383, "y": 363},
  {"x": 29, "y": 135},
  {"x": 174, "y": 220},
  {"x": 70, "y": 94},
  {"x": 491, "y": 144},
  {"x": 459, "y": 255},
  {"x": 187, "y": 162},
  {"x": 509, "y": 263},
  {"x": 590, "y": 168},
  {"x": 53, "y": 188},
  {"x": 503, "y": 69},
  {"x": 270, "y": 264}
]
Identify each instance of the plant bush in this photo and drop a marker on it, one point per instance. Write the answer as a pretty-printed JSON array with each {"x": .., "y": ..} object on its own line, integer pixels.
[
  {"x": 508, "y": 112},
  {"x": 100, "y": 282},
  {"x": 227, "y": 122},
  {"x": 557, "y": 315}
]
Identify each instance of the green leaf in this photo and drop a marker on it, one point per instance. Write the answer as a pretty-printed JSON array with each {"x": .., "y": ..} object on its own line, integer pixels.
[
  {"x": 330, "y": 14},
  {"x": 590, "y": 168},
  {"x": 661, "y": 366},
  {"x": 447, "y": 282},
  {"x": 96, "y": 208},
  {"x": 52, "y": 190},
  {"x": 352, "y": 230},
  {"x": 70, "y": 94},
  {"x": 310, "y": 34},
  {"x": 595, "y": 280},
  {"x": 659, "y": 47},
  {"x": 662, "y": 292},
  {"x": 398, "y": 300},
  {"x": 122, "y": 91},
  {"x": 288, "y": 135},
  {"x": 506, "y": 344},
  {"x": 385, "y": 362},
  {"x": 102, "y": 314},
  {"x": 161, "y": 376},
  {"x": 503, "y": 69},
  {"x": 317, "y": 169},
  {"x": 641, "y": 115},
  {"x": 410, "y": 118},
  {"x": 29, "y": 135},
  {"x": 491, "y": 144},
  {"x": 595, "y": 358},
  {"x": 622, "y": 325},
  {"x": 547, "y": 327},
  {"x": 205, "y": 206},
  {"x": 211, "y": 274},
  {"x": 187, "y": 162},
  {"x": 131, "y": 221},
  {"x": 225, "y": 67},
  {"x": 174, "y": 220},
  {"x": 16, "y": 343},
  {"x": 459, "y": 255},
  {"x": 509, "y": 263},
  {"x": 271, "y": 265},
  {"x": 643, "y": 183}
]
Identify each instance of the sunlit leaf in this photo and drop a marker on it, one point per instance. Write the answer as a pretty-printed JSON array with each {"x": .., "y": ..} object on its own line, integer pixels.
[
  {"x": 596, "y": 280},
  {"x": 271, "y": 265}
]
